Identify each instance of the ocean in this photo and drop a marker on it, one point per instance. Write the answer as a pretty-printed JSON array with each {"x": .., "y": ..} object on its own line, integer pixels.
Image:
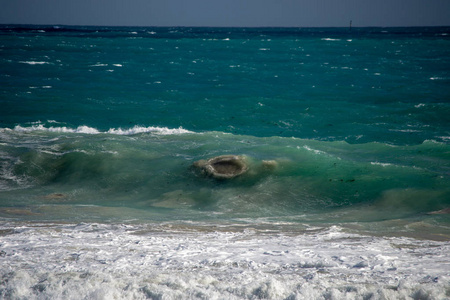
[{"x": 108, "y": 136}]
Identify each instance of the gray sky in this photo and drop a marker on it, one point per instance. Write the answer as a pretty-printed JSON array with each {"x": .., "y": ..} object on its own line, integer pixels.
[{"x": 302, "y": 13}]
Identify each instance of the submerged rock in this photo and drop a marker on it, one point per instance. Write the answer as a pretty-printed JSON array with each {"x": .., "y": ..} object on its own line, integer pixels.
[
  {"x": 224, "y": 166},
  {"x": 444, "y": 211},
  {"x": 55, "y": 196}
]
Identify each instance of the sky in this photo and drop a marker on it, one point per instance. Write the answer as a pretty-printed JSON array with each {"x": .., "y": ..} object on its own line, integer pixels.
[{"x": 229, "y": 13}]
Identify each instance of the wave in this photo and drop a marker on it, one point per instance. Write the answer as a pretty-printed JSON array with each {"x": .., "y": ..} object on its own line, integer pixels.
[
  {"x": 154, "y": 171},
  {"x": 91, "y": 130}
]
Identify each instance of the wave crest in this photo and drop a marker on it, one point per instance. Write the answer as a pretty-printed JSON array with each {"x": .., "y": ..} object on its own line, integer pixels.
[{"x": 90, "y": 130}]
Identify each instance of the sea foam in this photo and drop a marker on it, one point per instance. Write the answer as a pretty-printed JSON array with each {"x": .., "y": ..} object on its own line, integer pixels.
[
  {"x": 99, "y": 261},
  {"x": 91, "y": 130}
]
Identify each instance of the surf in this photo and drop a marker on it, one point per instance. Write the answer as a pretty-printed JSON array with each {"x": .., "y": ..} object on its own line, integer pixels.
[{"x": 154, "y": 169}]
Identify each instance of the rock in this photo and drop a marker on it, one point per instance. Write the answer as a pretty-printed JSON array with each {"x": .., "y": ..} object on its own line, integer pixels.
[
  {"x": 223, "y": 167},
  {"x": 55, "y": 196},
  {"x": 440, "y": 212}
]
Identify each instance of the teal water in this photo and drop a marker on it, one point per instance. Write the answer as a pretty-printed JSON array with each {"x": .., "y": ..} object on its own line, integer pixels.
[
  {"x": 346, "y": 136},
  {"x": 104, "y": 124}
]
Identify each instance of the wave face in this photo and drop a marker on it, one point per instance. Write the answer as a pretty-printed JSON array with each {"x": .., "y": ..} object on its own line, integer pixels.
[
  {"x": 105, "y": 133},
  {"x": 151, "y": 170}
]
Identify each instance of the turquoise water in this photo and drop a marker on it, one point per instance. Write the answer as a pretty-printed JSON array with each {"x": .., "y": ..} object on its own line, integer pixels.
[
  {"x": 113, "y": 118},
  {"x": 367, "y": 85},
  {"x": 346, "y": 136}
]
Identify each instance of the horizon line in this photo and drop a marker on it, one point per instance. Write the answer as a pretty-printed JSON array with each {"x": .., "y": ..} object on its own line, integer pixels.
[{"x": 209, "y": 26}]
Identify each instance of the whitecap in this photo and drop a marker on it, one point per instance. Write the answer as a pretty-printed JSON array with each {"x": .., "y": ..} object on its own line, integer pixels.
[
  {"x": 79, "y": 129},
  {"x": 90, "y": 130},
  {"x": 34, "y": 62},
  {"x": 151, "y": 129},
  {"x": 330, "y": 39},
  {"x": 444, "y": 138},
  {"x": 405, "y": 130},
  {"x": 375, "y": 163}
]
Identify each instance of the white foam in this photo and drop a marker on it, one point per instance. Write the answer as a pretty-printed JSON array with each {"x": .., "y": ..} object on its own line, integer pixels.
[
  {"x": 79, "y": 129},
  {"x": 98, "y": 261},
  {"x": 405, "y": 130},
  {"x": 444, "y": 138},
  {"x": 312, "y": 150},
  {"x": 375, "y": 163},
  {"x": 91, "y": 130},
  {"x": 34, "y": 62},
  {"x": 150, "y": 129},
  {"x": 99, "y": 65},
  {"x": 9, "y": 180},
  {"x": 330, "y": 39}
]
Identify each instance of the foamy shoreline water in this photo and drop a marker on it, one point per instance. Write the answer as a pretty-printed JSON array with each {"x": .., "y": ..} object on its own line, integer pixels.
[{"x": 101, "y": 261}]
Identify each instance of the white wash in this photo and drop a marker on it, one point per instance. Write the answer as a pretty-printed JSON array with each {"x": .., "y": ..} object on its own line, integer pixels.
[{"x": 98, "y": 261}]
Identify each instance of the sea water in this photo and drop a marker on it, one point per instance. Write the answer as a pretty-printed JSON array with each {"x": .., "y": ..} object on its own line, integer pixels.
[{"x": 346, "y": 134}]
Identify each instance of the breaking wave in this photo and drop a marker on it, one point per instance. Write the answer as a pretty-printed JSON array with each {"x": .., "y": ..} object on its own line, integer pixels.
[{"x": 91, "y": 130}]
